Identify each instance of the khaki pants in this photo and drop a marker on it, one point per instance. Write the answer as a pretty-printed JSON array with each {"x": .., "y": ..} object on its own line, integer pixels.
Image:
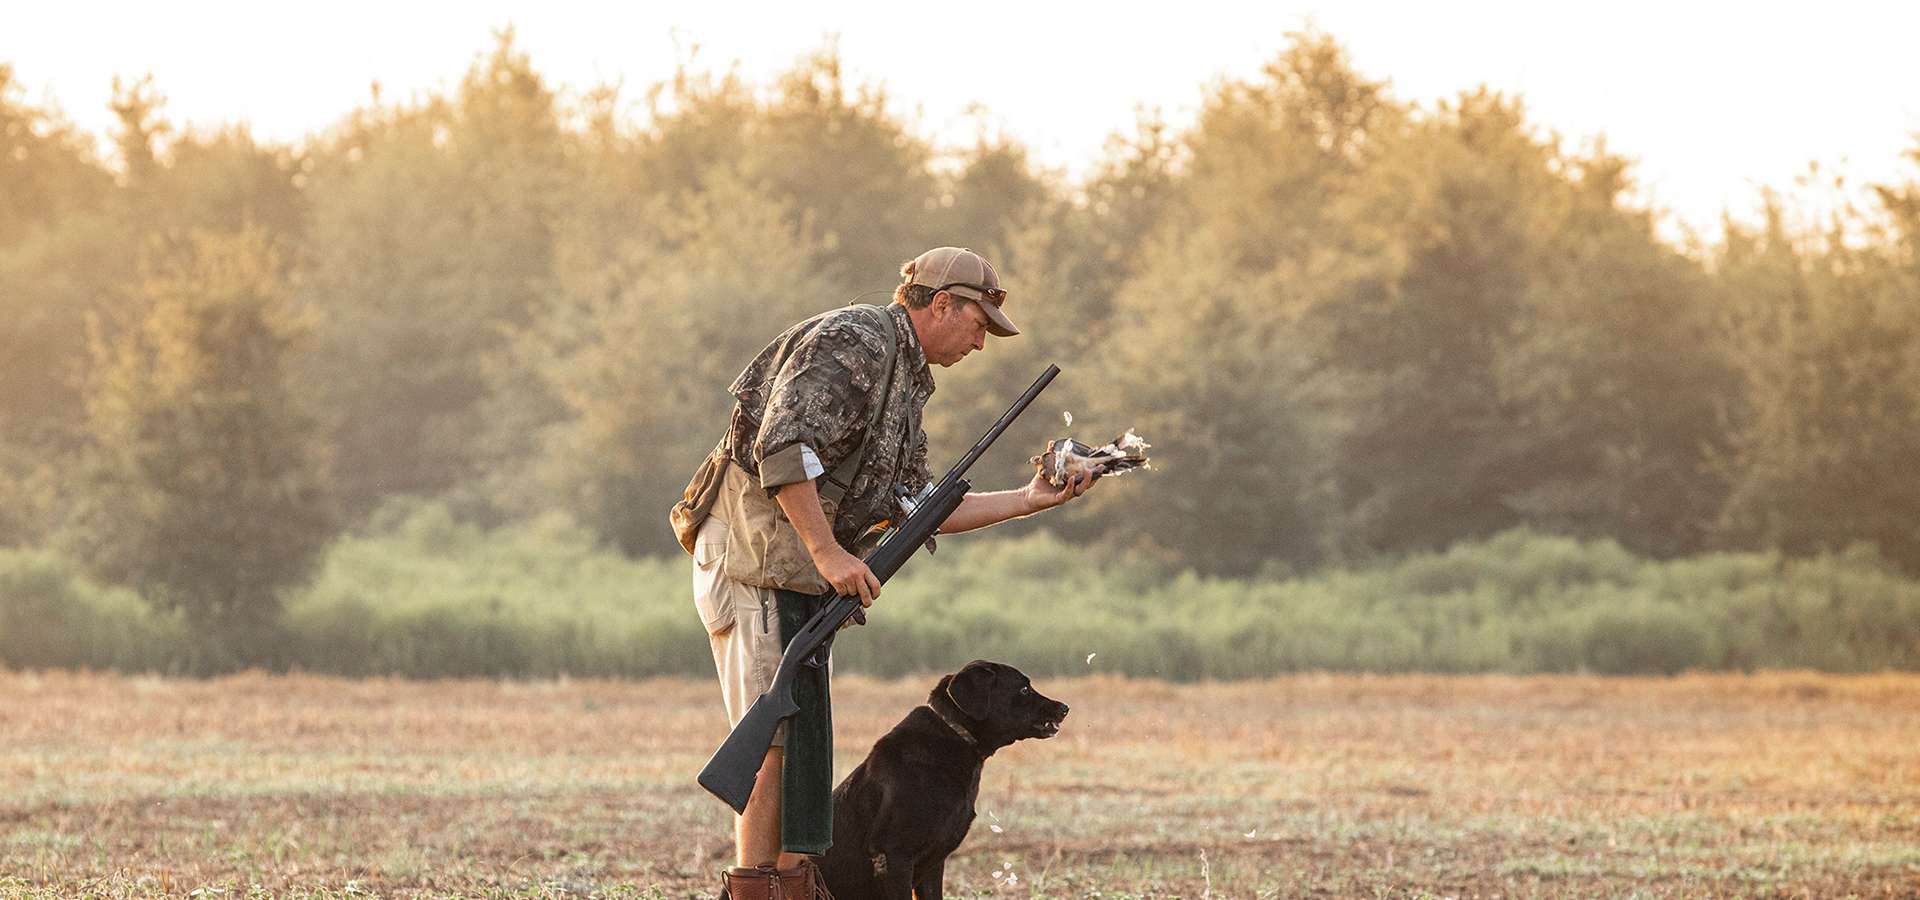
[{"x": 742, "y": 626}]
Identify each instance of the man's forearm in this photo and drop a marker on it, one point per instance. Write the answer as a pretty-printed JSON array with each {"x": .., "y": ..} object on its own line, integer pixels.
[
  {"x": 978, "y": 510},
  {"x": 800, "y": 500}
]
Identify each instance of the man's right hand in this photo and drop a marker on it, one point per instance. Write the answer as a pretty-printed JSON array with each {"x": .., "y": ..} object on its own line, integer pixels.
[{"x": 848, "y": 574}]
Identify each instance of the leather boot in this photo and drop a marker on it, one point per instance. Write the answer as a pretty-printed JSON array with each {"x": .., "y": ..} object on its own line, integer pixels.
[
  {"x": 750, "y": 883},
  {"x": 802, "y": 882}
]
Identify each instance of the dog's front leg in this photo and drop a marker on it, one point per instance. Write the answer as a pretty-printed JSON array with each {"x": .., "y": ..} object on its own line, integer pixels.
[
  {"x": 896, "y": 883},
  {"x": 929, "y": 885}
]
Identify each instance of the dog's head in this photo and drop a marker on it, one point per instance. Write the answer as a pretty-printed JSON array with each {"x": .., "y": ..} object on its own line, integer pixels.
[{"x": 999, "y": 703}]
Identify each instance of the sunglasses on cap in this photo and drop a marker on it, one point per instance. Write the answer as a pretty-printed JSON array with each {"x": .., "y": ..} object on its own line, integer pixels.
[{"x": 995, "y": 295}]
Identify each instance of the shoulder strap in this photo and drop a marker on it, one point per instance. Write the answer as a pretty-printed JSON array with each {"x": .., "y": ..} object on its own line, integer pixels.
[{"x": 835, "y": 484}]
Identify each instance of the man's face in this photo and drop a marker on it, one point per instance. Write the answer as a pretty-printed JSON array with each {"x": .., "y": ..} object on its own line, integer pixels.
[{"x": 959, "y": 328}]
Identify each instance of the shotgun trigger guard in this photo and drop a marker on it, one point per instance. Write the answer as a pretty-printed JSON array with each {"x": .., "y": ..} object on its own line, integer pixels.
[{"x": 821, "y": 654}]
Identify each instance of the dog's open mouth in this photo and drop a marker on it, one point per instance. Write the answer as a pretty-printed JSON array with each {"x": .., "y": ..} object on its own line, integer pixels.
[{"x": 1048, "y": 728}]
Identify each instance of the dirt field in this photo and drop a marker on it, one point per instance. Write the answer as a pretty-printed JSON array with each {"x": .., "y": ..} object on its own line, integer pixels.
[{"x": 1774, "y": 785}]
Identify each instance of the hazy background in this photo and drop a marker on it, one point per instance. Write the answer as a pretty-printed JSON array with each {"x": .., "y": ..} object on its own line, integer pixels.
[
  {"x": 1710, "y": 102},
  {"x": 1491, "y": 342}
]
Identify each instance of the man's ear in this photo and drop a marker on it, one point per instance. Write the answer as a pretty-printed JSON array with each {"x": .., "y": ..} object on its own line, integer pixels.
[{"x": 969, "y": 688}]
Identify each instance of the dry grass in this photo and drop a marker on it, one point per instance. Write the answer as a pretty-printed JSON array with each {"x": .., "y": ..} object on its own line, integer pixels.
[{"x": 1771, "y": 785}]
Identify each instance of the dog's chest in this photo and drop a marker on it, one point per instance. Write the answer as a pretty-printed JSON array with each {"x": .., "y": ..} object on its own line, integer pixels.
[{"x": 954, "y": 828}]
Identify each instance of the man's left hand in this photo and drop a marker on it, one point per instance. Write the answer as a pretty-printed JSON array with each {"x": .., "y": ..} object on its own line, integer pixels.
[{"x": 1041, "y": 494}]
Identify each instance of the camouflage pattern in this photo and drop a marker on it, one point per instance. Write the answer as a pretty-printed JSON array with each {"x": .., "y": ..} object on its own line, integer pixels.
[{"x": 814, "y": 386}]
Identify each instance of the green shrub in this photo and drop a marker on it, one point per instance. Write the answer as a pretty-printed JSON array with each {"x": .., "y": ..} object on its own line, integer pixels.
[
  {"x": 435, "y": 598},
  {"x": 52, "y": 616},
  {"x": 1645, "y": 638},
  {"x": 427, "y": 596}
]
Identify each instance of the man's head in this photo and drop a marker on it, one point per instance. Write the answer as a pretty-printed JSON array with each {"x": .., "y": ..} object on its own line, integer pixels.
[{"x": 955, "y": 299}]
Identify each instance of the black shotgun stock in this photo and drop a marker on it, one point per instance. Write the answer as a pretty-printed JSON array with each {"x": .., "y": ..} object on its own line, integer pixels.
[{"x": 731, "y": 772}]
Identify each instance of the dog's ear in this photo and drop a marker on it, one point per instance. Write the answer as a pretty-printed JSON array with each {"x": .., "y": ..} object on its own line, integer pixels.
[{"x": 970, "y": 687}]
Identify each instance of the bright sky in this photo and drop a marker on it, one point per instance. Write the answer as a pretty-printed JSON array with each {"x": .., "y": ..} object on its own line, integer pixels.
[{"x": 1713, "y": 99}]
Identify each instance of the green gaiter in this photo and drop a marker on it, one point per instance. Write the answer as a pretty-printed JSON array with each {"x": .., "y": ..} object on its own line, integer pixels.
[{"x": 806, "y": 781}]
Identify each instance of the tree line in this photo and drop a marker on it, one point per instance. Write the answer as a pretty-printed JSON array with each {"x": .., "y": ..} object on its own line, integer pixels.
[{"x": 1353, "y": 327}]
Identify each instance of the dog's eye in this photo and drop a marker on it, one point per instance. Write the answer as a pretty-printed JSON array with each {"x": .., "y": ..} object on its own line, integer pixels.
[{"x": 1026, "y": 689}]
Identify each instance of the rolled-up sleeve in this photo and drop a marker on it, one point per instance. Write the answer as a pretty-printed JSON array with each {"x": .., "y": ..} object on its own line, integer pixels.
[
  {"x": 795, "y": 462},
  {"x": 818, "y": 399}
]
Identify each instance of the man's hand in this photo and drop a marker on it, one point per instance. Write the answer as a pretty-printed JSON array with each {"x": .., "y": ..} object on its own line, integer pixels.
[
  {"x": 847, "y": 573},
  {"x": 1041, "y": 494}
]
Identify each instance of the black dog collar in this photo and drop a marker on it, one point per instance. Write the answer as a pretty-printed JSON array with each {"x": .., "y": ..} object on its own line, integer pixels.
[{"x": 958, "y": 728}]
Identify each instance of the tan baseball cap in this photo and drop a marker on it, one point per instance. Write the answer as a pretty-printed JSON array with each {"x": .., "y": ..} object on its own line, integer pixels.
[{"x": 966, "y": 274}]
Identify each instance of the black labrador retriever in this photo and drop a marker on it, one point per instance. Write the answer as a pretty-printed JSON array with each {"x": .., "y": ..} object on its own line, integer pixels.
[{"x": 900, "y": 813}]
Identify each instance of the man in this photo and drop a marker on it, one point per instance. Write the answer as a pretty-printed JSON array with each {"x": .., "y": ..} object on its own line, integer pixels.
[{"x": 824, "y": 437}]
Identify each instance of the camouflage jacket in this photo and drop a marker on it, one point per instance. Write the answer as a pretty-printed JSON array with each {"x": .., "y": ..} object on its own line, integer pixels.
[{"x": 802, "y": 407}]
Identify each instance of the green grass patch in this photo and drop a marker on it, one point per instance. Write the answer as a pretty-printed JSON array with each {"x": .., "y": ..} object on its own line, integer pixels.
[{"x": 429, "y": 596}]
